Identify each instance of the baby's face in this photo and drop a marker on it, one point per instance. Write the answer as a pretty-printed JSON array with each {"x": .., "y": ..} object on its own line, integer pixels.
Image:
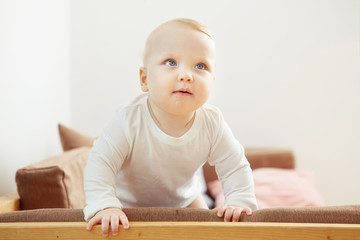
[{"x": 179, "y": 70}]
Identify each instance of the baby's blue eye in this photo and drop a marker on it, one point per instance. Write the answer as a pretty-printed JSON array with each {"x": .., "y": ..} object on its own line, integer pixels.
[
  {"x": 200, "y": 66},
  {"x": 170, "y": 63}
]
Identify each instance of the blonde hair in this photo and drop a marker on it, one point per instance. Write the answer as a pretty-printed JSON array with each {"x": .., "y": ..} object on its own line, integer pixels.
[{"x": 195, "y": 25}]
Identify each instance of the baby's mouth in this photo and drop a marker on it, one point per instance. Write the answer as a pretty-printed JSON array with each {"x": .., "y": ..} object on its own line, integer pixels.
[{"x": 183, "y": 92}]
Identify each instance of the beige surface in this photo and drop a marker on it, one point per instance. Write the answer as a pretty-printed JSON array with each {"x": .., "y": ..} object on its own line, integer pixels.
[{"x": 9, "y": 202}]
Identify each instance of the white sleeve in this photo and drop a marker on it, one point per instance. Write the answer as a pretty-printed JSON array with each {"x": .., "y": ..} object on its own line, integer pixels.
[
  {"x": 232, "y": 168},
  {"x": 104, "y": 162}
]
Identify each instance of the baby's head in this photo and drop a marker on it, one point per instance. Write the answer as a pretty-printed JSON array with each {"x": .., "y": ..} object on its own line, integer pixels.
[
  {"x": 172, "y": 24},
  {"x": 178, "y": 66}
]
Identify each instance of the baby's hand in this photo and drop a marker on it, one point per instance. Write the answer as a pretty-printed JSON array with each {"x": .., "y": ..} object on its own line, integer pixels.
[
  {"x": 232, "y": 213},
  {"x": 107, "y": 217}
]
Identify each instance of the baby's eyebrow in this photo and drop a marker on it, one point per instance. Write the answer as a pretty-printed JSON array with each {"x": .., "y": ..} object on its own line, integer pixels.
[
  {"x": 163, "y": 57},
  {"x": 168, "y": 54},
  {"x": 204, "y": 60}
]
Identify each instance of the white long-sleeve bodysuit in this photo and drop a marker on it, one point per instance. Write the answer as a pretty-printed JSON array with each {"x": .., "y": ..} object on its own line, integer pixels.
[{"x": 135, "y": 164}]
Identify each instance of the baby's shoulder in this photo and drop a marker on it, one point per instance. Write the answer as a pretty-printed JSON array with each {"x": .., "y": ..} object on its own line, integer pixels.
[
  {"x": 211, "y": 113},
  {"x": 212, "y": 120},
  {"x": 125, "y": 122},
  {"x": 133, "y": 109}
]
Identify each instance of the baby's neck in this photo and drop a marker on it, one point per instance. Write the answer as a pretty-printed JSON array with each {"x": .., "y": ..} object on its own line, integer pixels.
[{"x": 172, "y": 125}]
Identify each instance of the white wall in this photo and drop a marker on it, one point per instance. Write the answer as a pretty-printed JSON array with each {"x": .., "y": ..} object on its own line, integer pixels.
[
  {"x": 34, "y": 82},
  {"x": 288, "y": 74}
]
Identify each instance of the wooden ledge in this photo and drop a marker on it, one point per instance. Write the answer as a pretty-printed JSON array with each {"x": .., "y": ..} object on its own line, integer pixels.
[{"x": 183, "y": 230}]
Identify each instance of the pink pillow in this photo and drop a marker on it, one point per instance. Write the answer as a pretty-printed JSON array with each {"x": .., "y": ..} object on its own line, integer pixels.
[{"x": 275, "y": 187}]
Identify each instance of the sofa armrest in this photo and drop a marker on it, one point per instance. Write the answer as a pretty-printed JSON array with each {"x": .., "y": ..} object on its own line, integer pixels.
[
  {"x": 9, "y": 202},
  {"x": 270, "y": 157},
  {"x": 258, "y": 158}
]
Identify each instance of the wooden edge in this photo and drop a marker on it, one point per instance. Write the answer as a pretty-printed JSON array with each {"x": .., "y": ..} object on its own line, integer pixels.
[
  {"x": 183, "y": 230},
  {"x": 9, "y": 202}
]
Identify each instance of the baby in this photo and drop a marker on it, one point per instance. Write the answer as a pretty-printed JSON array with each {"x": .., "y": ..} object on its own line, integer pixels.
[{"x": 149, "y": 153}]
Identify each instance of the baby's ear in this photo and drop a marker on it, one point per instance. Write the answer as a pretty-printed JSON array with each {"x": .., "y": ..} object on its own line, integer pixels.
[{"x": 143, "y": 79}]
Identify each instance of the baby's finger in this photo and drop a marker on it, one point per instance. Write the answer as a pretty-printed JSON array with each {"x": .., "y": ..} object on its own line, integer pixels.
[
  {"x": 105, "y": 225},
  {"x": 228, "y": 214},
  {"x": 248, "y": 211},
  {"x": 95, "y": 220},
  {"x": 124, "y": 221},
  {"x": 114, "y": 225},
  {"x": 220, "y": 211},
  {"x": 236, "y": 214}
]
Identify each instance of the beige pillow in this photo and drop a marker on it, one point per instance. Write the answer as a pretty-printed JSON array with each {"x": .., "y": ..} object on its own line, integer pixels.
[
  {"x": 56, "y": 182},
  {"x": 71, "y": 139}
]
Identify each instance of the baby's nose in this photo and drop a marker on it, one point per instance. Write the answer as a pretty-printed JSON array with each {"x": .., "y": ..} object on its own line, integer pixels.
[{"x": 185, "y": 76}]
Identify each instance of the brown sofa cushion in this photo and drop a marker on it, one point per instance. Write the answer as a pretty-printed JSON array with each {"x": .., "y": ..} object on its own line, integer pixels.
[
  {"x": 56, "y": 182},
  {"x": 134, "y": 214},
  {"x": 329, "y": 214},
  {"x": 334, "y": 214}
]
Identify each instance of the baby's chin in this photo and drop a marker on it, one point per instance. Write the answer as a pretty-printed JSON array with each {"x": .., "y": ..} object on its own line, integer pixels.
[{"x": 183, "y": 110}]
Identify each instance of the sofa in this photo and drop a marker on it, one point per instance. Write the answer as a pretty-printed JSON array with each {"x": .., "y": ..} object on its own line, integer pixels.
[{"x": 50, "y": 196}]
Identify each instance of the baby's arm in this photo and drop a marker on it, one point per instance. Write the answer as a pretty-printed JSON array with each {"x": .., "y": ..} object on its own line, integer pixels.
[
  {"x": 102, "y": 204},
  {"x": 234, "y": 172},
  {"x": 105, "y": 161},
  {"x": 109, "y": 217}
]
